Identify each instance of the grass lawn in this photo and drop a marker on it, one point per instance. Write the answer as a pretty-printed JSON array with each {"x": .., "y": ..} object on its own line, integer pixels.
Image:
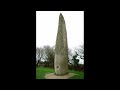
[{"x": 41, "y": 71}]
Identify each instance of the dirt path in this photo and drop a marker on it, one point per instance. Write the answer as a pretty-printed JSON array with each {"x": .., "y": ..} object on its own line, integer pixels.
[{"x": 53, "y": 76}]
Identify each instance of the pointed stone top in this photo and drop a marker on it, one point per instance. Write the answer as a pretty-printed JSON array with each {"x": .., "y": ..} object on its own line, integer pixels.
[
  {"x": 61, "y": 15},
  {"x": 61, "y": 18}
]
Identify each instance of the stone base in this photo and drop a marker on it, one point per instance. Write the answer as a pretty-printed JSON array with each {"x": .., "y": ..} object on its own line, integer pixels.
[
  {"x": 53, "y": 76},
  {"x": 61, "y": 74}
]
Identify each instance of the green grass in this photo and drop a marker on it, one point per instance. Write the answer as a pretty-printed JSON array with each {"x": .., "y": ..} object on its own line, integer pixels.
[
  {"x": 41, "y": 71},
  {"x": 80, "y": 75}
]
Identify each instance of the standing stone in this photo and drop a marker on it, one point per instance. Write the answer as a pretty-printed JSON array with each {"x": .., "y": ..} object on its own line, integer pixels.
[{"x": 61, "y": 49}]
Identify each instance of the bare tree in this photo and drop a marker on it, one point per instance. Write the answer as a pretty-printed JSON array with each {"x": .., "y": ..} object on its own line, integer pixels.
[
  {"x": 80, "y": 51},
  {"x": 70, "y": 55},
  {"x": 49, "y": 55},
  {"x": 39, "y": 55}
]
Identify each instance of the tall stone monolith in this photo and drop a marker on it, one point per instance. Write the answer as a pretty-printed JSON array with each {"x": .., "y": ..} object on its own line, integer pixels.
[{"x": 61, "y": 49}]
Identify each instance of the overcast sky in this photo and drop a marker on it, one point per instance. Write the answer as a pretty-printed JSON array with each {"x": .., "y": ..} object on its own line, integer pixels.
[{"x": 47, "y": 27}]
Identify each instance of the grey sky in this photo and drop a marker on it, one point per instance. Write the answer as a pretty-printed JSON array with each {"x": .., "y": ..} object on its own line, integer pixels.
[{"x": 47, "y": 27}]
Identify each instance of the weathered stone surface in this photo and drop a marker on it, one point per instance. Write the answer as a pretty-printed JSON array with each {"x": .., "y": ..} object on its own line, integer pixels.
[{"x": 61, "y": 49}]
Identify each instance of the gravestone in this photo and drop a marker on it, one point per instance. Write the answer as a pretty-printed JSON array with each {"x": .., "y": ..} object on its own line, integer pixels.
[{"x": 61, "y": 49}]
